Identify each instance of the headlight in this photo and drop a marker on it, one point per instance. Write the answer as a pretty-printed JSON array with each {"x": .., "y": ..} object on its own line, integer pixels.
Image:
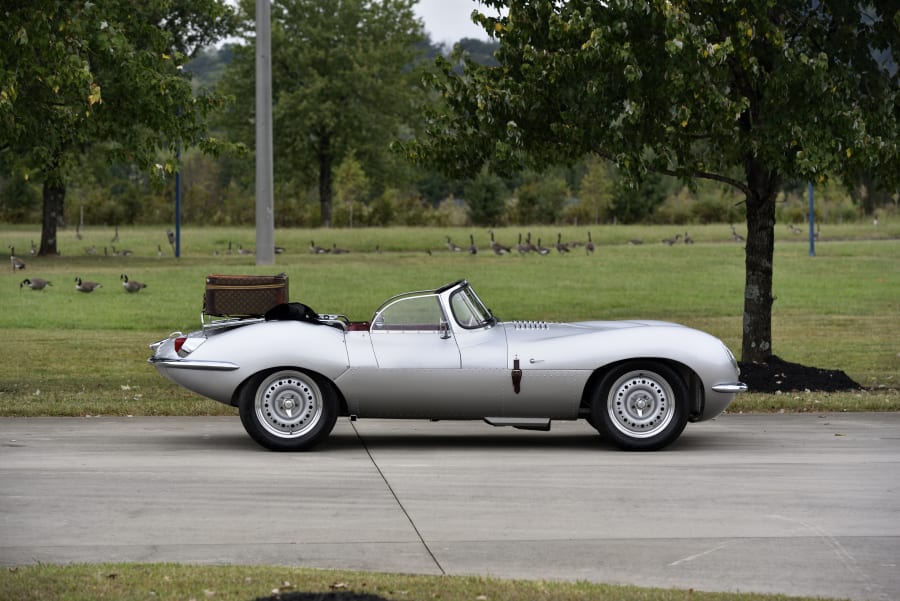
[{"x": 731, "y": 358}]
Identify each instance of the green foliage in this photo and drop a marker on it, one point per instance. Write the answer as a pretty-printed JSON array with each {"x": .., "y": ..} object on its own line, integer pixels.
[
  {"x": 485, "y": 197},
  {"x": 540, "y": 199},
  {"x": 19, "y": 200},
  {"x": 342, "y": 76},
  {"x": 595, "y": 193},
  {"x": 104, "y": 76},
  {"x": 697, "y": 89},
  {"x": 633, "y": 203}
]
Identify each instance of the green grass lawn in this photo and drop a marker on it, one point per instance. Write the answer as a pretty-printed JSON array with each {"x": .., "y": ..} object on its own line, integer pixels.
[
  {"x": 71, "y": 353},
  {"x": 139, "y": 582}
]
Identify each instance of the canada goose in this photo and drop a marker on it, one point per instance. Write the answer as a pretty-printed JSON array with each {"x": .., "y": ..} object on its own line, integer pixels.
[
  {"x": 316, "y": 250},
  {"x": 78, "y": 231},
  {"x": 737, "y": 237},
  {"x": 15, "y": 261},
  {"x": 116, "y": 237},
  {"x": 452, "y": 246},
  {"x": 473, "y": 250},
  {"x": 589, "y": 247},
  {"x": 33, "y": 250},
  {"x": 562, "y": 248},
  {"x": 91, "y": 250},
  {"x": 170, "y": 235},
  {"x": 671, "y": 241},
  {"x": 336, "y": 250},
  {"x": 498, "y": 248},
  {"x": 131, "y": 285},
  {"x": 278, "y": 250},
  {"x": 520, "y": 246},
  {"x": 122, "y": 253},
  {"x": 82, "y": 286},
  {"x": 35, "y": 283},
  {"x": 688, "y": 239},
  {"x": 794, "y": 229},
  {"x": 244, "y": 251},
  {"x": 529, "y": 245},
  {"x": 541, "y": 250}
]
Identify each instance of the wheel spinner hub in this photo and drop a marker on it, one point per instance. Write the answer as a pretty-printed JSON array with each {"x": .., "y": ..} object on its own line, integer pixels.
[
  {"x": 288, "y": 406},
  {"x": 639, "y": 404}
]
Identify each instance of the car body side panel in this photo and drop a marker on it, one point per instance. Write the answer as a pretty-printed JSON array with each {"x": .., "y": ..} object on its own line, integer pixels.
[
  {"x": 259, "y": 347},
  {"x": 428, "y": 393}
]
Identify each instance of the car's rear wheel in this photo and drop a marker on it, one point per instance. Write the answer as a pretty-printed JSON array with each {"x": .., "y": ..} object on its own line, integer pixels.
[
  {"x": 288, "y": 410},
  {"x": 641, "y": 406}
]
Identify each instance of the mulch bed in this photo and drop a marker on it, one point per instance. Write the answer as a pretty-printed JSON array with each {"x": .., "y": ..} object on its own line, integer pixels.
[{"x": 779, "y": 375}]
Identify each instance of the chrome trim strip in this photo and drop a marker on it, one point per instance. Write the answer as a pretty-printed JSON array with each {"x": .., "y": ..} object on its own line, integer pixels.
[
  {"x": 198, "y": 365},
  {"x": 730, "y": 387}
]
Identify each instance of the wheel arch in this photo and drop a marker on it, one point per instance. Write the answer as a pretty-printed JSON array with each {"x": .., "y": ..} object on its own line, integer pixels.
[
  {"x": 688, "y": 376},
  {"x": 320, "y": 379}
]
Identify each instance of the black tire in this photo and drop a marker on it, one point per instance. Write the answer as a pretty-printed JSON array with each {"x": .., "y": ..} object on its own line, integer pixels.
[
  {"x": 641, "y": 406},
  {"x": 288, "y": 410}
]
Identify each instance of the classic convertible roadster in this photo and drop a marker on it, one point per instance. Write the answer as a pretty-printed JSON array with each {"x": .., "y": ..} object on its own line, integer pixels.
[{"x": 442, "y": 355}]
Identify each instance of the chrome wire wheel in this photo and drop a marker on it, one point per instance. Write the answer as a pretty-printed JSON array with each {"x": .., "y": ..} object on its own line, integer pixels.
[
  {"x": 288, "y": 404},
  {"x": 640, "y": 404}
]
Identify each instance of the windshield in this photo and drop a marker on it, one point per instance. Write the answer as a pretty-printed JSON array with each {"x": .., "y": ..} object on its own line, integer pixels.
[{"x": 469, "y": 311}]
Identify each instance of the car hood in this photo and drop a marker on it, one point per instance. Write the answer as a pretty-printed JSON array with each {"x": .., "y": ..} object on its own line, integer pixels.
[
  {"x": 544, "y": 329},
  {"x": 590, "y": 344}
]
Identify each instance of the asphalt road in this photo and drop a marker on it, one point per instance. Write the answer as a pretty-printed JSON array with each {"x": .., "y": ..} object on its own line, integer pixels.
[{"x": 793, "y": 504}]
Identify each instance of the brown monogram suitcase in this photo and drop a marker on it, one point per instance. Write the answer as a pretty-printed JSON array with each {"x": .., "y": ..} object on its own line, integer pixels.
[{"x": 243, "y": 295}]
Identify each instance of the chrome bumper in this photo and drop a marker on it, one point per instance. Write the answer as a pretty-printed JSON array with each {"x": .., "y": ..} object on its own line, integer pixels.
[
  {"x": 195, "y": 365},
  {"x": 730, "y": 387}
]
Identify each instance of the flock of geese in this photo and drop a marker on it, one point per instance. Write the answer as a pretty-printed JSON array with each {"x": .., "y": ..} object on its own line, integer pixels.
[
  {"x": 36, "y": 283},
  {"x": 523, "y": 246}
]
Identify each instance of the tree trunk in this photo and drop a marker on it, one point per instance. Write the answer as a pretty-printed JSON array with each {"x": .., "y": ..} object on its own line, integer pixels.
[
  {"x": 54, "y": 198},
  {"x": 763, "y": 188}
]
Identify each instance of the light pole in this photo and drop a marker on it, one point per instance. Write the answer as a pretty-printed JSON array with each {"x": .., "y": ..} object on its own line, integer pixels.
[{"x": 265, "y": 214}]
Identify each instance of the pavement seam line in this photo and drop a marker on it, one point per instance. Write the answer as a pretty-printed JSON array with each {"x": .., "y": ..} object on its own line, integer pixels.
[{"x": 396, "y": 498}]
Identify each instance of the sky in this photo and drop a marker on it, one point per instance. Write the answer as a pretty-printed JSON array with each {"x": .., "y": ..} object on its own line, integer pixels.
[{"x": 447, "y": 21}]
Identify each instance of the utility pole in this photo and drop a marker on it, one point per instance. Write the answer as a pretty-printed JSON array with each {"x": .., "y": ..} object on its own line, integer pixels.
[{"x": 265, "y": 213}]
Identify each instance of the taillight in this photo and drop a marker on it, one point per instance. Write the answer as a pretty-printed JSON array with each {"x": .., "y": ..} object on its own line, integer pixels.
[{"x": 179, "y": 342}]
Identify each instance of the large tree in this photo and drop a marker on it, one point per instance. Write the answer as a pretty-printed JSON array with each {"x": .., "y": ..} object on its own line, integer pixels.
[
  {"x": 343, "y": 83},
  {"x": 100, "y": 76},
  {"x": 749, "y": 93}
]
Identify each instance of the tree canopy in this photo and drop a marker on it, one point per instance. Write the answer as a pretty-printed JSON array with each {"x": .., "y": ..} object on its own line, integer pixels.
[
  {"x": 102, "y": 76},
  {"x": 343, "y": 78},
  {"x": 747, "y": 93}
]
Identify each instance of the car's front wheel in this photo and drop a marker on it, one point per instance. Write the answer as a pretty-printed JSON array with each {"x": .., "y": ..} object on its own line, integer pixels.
[
  {"x": 287, "y": 410},
  {"x": 641, "y": 406}
]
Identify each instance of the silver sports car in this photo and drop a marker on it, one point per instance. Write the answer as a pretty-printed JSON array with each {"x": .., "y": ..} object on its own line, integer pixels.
[{"x": 442, "y": 355}]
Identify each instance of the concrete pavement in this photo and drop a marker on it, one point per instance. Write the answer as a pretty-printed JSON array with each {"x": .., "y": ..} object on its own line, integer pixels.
[{"x": 793, "y": 504}]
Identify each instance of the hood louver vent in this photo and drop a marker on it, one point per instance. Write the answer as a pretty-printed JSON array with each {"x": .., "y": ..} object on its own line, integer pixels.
[{"x": 531, "y": 325}]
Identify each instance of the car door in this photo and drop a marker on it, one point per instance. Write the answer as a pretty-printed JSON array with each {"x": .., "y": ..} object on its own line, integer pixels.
[{"x": 418, "y": 365}]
